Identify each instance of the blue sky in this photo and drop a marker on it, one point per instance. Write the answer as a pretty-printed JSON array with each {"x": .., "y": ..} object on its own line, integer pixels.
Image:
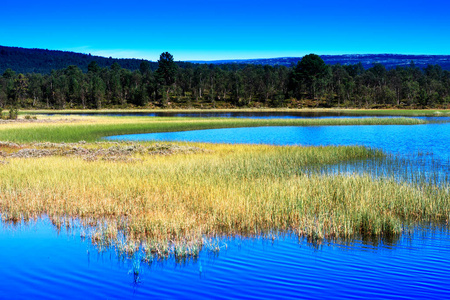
[{"x": 225, "y": 29}]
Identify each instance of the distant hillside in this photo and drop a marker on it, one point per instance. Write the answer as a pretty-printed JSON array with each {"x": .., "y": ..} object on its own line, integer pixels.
[
  {"x": 24, "y": 60},
  {"x": 388, "y": 60}
]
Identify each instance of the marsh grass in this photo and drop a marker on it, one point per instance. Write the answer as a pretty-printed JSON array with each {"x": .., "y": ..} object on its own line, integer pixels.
[
  {"x": 94, "y": 128},
  {"x": 414, "y": 168},
  {"x": 176, "y": 205}
]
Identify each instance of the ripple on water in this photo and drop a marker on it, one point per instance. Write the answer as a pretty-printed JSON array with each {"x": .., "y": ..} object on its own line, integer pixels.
[
  {"x": 397, "y": 139},
  {"x": 39, "y": 263},
  {"x": 422, "y": 150}
]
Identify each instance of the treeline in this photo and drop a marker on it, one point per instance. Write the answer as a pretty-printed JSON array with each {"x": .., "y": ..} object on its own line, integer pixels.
[
  {"x": 43, "y": 61},
  {"x": 311, "y": 83}
]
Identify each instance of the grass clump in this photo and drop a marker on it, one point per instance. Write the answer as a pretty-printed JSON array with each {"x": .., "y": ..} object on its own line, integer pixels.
[
  {"x": 13, "y": 114},
  {"x": 176, "y": 204}
]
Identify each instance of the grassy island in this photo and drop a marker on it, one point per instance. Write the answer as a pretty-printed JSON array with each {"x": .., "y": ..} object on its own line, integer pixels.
[
  {"x": 92, "y": 128},
  {"x": 171, "y": 199}
]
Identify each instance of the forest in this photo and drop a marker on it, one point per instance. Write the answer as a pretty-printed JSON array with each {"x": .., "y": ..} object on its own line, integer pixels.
[{"x": 309, "y": 83}]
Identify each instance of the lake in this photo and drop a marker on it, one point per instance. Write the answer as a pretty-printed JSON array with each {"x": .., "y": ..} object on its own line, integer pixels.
[
  {"x": 245, "y": 114},
  {"x": 402, "y": 139},
  {"x": 39, "y": 261},
  {"x": 424, "y": 148}
]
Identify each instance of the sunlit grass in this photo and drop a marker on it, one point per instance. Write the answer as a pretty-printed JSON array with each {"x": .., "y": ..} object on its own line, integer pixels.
[
  {"x": 172, "y": 204},
  {"x": 174, "y": 200}
]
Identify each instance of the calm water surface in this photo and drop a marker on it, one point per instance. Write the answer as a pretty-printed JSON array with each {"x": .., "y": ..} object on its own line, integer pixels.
[
  {"x": 237, "y": 114},
  {"x": 243, "y": 114},
  {"x": 406, "y": 140},
  {"x": 425, "y": 148},
  {"x": 39, "y": 262}
]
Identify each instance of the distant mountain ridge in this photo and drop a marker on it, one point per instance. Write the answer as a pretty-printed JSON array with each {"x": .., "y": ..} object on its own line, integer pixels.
[
  {"x": 388, "y": 60},
  {"x": 24, "y": 60}
]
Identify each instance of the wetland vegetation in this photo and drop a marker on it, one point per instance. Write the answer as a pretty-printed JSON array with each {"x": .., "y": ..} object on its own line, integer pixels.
[
  {"x": 319, "y": 177},
  {"x": 91, "y": 128},
  {"x": 172, "y": 199}
]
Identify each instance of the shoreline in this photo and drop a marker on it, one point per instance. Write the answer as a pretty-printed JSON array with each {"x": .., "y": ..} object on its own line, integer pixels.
[
  {"x": 350, "y": 111},
  {"x": 93, "y": 128}
]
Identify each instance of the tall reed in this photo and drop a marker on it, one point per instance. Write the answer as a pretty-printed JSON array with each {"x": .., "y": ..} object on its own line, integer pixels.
[{"x": 172, "y": 204}]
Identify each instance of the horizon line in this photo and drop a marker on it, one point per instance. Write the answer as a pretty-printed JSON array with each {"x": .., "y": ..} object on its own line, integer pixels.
[{"x": 225, "y": 59}]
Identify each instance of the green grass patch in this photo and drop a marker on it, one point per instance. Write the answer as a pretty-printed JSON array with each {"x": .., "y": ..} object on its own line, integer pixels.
[
  {"x": 179, "y": 201},
  {"x": 94, "y": 128}
]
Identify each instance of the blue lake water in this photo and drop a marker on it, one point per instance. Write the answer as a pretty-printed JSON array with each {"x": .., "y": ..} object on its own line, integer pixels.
[
  {"x": 406, "y": 140},
  {"x": 246, "y": 114},
  {"x": 423, "y": 149},
  {"x": 38, "y": 261},
  {"x": 237, "y": 114}
]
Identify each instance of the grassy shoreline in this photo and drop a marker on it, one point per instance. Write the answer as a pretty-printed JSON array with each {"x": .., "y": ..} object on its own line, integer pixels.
[
  {"x": 349, "y": 111},
  {"x": 171, "y": 200},
  {"x": 93, "y": 128},
  {"x": 171, "y": 204}
]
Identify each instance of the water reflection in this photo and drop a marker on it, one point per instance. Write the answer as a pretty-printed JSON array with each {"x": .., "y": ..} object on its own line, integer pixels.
[
  {"x": 40, "y": 263},
  {"x": 255, "y": 115},
  {"x": 402, "y": 139},
  {"x": 54, "y": 258},
  {"x": 416, "y": 152},
  {"x": 416, "y": 170}
]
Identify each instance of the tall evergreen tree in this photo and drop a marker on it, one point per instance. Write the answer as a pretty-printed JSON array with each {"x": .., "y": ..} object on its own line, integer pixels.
[{"x": 165, "y": 74}]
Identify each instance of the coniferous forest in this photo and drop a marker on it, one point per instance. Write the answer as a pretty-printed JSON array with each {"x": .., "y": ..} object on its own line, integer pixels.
[{"x": 310, "y": 83}]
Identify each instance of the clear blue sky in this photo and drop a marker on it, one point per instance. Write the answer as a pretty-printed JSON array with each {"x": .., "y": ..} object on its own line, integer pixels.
[{"x": 224, "y": 29}]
